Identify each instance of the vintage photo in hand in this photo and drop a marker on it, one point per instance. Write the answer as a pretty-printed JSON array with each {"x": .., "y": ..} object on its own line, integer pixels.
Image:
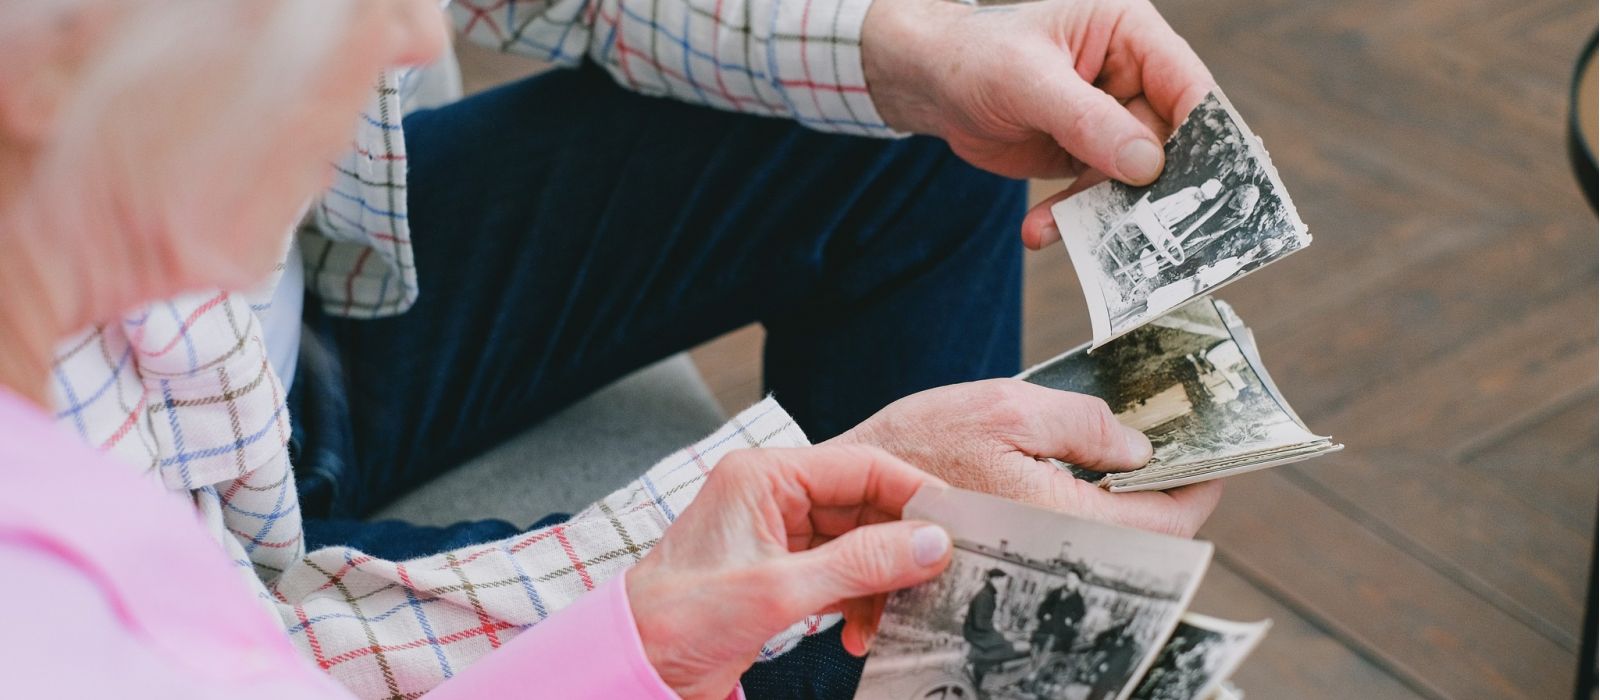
[
  {"x": 1035, "y": 604},
  {"x": 1201, "y": 654},
  {"x": 1187, "y": 383},
  {"x": 1217, "y": 213}
]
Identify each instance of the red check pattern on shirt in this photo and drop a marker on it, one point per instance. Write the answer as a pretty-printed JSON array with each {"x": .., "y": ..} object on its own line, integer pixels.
[
  {"x": 182, "y": 389},
  {"x": 794, "y": 58}
]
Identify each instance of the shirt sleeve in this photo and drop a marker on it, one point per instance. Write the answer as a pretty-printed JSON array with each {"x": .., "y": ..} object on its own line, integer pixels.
[
  {"x": 387, "y": 629},
  {"x": 590, "y": 650},
  {"x": 83, "y": 627},
  {"x": 792, "y": 58}
]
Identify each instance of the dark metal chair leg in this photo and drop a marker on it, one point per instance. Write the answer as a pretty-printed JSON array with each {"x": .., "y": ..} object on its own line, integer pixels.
[{"x": 1586, "y": 654}]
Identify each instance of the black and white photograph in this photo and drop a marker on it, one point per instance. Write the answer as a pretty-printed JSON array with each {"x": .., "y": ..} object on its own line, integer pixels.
[
  {"x": 1035, "y": 604},
  {"x": 1217, "y": 213},
  {"x": 1201, "y": 653},
  {"x": 1188, "y": 383}
]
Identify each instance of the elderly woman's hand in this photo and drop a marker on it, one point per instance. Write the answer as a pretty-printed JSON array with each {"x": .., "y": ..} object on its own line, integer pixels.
[
  {"x": 995, "y": 436},
  {"x": 774, "y": 536}
]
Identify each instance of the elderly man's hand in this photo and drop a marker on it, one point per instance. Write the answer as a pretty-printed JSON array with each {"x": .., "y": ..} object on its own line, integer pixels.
[
  {"x": 1054, "y": 88},
  {"x": 995, "y": 436}
]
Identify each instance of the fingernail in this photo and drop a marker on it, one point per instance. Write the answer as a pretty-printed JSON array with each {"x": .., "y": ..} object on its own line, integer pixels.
[
  {"x": 1139, "y": 449},
  {"x": 1049, "y": 234},
  {"x": 929, "y": 544},
  {"x": 1139, "y": 161}
]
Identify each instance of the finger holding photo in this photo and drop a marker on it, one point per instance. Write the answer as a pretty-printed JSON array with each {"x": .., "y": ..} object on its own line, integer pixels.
[
  {"x": 1039, "y": 229},
  {"x": 1033, "y": 604},
  {"x": 1002, "y": 436},
  {"x": 1218, "y": 212}
]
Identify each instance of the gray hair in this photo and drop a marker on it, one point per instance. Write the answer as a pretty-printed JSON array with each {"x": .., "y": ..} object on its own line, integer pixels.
[{"x": 130, "y": 149}]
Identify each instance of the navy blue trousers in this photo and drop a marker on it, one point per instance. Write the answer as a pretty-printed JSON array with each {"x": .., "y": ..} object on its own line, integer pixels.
[{"x": 568, "y": 232}]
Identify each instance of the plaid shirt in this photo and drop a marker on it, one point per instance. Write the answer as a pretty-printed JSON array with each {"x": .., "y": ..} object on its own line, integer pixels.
[{"x": 182, "y": 389}]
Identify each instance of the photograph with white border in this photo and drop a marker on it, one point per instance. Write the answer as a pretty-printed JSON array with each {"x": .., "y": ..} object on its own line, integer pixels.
[
  {"x": 1035, "y": 604},
  {"x": 1186, "y": 382},
  {"x": 1217, "y": 213},
  {"x": 1202, "y": 653}
]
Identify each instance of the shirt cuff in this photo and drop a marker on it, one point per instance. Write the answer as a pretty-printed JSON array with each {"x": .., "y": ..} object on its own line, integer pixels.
[
  {"x": 591, "y": 649},
  {"x": 815, "y": 56}
]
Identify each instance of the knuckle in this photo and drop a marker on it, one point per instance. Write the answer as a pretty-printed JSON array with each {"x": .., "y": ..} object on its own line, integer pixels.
[
  {"x": 1173, "y": 524},
  {"x": 1089, "y": 119},
  {"x": 783, "y": 592},
  {"x": 866, "y": 561},
  {"x": 1001, "y": 403},
  {"x": 1097, "y": 426},
  {"x": 738, "y": 464}
]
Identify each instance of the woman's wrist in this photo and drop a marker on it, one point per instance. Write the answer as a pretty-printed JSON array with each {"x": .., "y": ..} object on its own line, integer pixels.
[{"x": 659, "y": 615}]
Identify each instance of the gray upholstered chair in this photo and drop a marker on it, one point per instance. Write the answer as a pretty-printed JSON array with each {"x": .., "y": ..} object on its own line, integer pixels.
[{"x": 597, "y": 444}]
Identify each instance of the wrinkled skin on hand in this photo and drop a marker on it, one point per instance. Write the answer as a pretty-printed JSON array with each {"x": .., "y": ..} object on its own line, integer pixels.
[{"x": 996, "y": 436}]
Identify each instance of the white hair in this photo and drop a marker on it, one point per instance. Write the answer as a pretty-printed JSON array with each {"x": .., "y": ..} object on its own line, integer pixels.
[{"x": 164, "y": 109}]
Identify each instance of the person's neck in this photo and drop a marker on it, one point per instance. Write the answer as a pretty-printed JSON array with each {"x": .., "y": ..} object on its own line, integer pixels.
[
  {"x": 34, "y": 289},
  {"x": 30, "y": 326}
]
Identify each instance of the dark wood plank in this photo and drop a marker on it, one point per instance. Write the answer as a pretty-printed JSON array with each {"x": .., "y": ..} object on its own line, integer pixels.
[
  {"x": 1478, "y": 388},
  {"x": 1420, "y": 624},
  {"x": 1298, "y": 659},
  {"x": 1470, "y": 528},
  {"x": 1331, "y": 363},
  {"x": 731, "y": 366},
  {"x": 482, "y": 68},
  {"x": 1548, "y": 461}
]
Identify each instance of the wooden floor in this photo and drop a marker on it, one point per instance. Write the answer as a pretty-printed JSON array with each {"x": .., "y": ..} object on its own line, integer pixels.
[{"x": 1443, "y": 326}]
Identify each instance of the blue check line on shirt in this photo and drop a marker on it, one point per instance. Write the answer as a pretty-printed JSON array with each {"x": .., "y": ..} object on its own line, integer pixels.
[
  {"x": 182, "y": 458},
  {"x": 183, "y": 332},
  {"x": 276, "y": 512},
  {"x": 527, "y": 582},
  {"x": 72, "y": 397},
  {"x": 655, "y": 495},
  {"x": 381, "y": 125},
  {"x": 75, "y": 406},
  {"x": 427, "y": 629},
  {"x": 177, "y": 435},
  {"x": 777, "y": 84},
  {"x": 362, "y": 202},
  {"x": 383, "y": 287},
  {"x": 735, "y": 433},
  {"x": 688, "y": 70},
  {"x": 608, "y": 44},
  {"x": 270, "y": 519},
  {"x": 557, "y": 53},
  {"x": 380, "y": 617},
  {"x": 554, "y": 53},
  {"x": 689, "y": 49},
  {"x": 343, "y": 218}
]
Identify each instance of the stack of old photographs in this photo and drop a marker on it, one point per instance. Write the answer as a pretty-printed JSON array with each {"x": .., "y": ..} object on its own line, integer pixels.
[
  {"x": 1217, "y": 213},
  {"x": 1193, "y": 382},
  {"x": 1170, "y": 360},
  {"x": 1038, "y": 604}
]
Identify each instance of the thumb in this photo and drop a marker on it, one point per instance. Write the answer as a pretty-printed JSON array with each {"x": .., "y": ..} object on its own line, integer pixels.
[
  {"x": 1096, "y": 129},
  {"x": 869, "y": 560}
]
